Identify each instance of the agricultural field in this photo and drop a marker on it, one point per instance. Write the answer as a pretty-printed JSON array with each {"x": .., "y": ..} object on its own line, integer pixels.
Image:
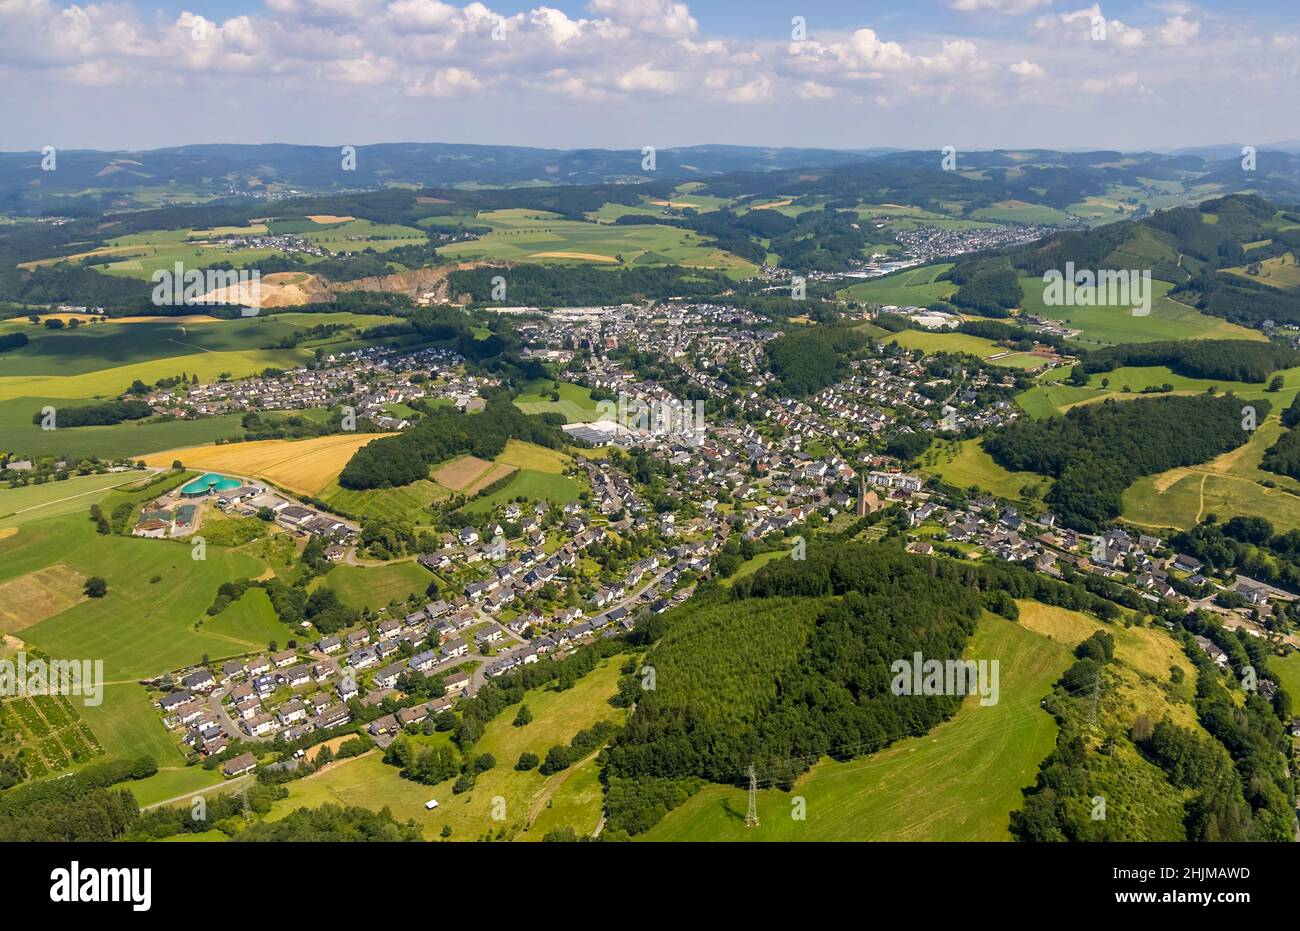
[
  {"x": 654, "y": 207},
  {"x": 467, "y": 474},
  {"x": 250, "y": 619},
  {"x": 115, "y": 342},
  {"x": 409, "y": 501},
  {"x": 1108, "y": 326},
  {"x": 532, "y": 485},
  {"x": 350, "y": 235},
  {"x": 750, "y": 566},
  {"x": 1049, "y": 398},
  {"x": 959, "y": 781},
  {"x": 111, "y": 382},
  {"x": 913, "y": 287},
  {"x": 128, "y": 439},
  {"x": 524, "y": 455},
  {"x": 305, "y": 467},
  {"x": 945, "y": 341},
  {"x": 1019, "y": 211},
  {"x": 127, "y": 722},
  {"x": 139, "y": 255},
  {"x": 564, "y": 799},
  {"x": 41, "y": 593},
  {"x": 144, "y": 626},
  {"x": 51, "y": 731},
  {"x": 1053, "y": 395},
  {"x": 520, "y": 235},
  {"x": 174, "y": 782},
  {"x": 141, "y": 627},
  {"x": 1287, "y": 670}
]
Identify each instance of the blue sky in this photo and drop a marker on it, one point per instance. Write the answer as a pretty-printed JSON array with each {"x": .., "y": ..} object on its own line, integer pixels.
[{"x": 627, "y": 73}]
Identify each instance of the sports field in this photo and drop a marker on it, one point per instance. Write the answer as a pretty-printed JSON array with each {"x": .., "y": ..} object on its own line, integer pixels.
[
  {"x": 303, "y": 466},
  {"x": 960, "y": 781}
]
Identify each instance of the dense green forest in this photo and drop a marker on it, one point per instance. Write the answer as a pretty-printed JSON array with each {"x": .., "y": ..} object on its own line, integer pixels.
[
  {"x": 1283, "y": 457},
  {"x": 98, "y": 414},
  {"x": 13, "y": 341},
  {"x": 1096, "y": 451},
  {"x": 439, "y": 435},
  {"x": 79, "y": 807},
  {"x": 1229, "y": 359},
  {"x": 985, "y": 290},
  {"x": 807, "y": 360}
]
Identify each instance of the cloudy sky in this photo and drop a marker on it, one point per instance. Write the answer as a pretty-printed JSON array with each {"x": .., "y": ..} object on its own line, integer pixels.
[{"x": 131, "y": 74}]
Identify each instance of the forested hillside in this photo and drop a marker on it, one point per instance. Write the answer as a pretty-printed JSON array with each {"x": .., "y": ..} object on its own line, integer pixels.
[
  {"x": 1096, "y": 451},
  {"x": 794, "y": 664}
]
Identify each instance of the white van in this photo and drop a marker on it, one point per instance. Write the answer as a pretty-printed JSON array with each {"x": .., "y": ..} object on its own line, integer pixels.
[{"x": 431, "y": 804}]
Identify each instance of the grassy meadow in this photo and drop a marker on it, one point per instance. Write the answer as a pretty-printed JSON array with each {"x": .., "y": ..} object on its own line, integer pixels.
[
  {"x": 964, "y": 463},
  {"x": 1109, "y": 325},
  {"x": 565, "y": 799}
]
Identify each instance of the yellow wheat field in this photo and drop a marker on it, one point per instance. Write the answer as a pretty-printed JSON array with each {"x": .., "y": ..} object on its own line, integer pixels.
[
  {"x": 301, "y": 466},
  {"x": 584, "y": 256}
]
